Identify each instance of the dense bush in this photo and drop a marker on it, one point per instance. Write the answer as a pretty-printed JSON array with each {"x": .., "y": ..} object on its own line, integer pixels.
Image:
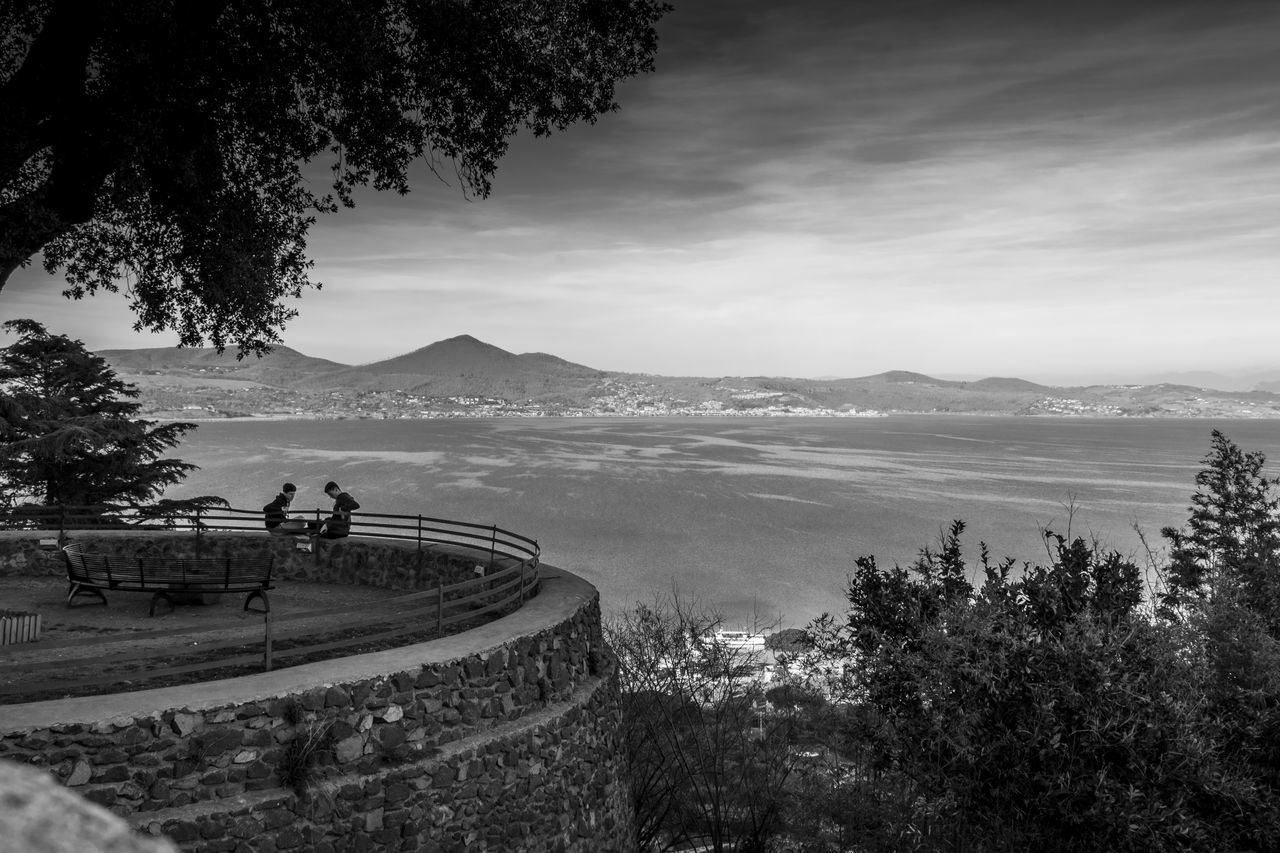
[{"x": 1051, "y": 707}]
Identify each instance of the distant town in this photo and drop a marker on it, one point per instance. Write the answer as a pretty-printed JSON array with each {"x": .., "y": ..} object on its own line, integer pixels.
[{"x": 620, "y": 399}]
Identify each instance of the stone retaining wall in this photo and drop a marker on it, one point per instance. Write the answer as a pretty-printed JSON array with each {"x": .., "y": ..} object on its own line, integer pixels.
[
  {"x": 549, "y": 782},
  {"x": 467, "y": 742},
  {"x": 177, "y": 756}
]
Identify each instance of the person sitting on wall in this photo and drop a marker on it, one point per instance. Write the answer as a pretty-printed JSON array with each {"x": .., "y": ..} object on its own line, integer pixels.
[
  {"x": 339, "y": 524},
  {"x": 276, "y": 512}
]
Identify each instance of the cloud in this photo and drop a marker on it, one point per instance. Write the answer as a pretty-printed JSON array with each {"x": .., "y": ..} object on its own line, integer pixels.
[{"x": 839, "y": 187}]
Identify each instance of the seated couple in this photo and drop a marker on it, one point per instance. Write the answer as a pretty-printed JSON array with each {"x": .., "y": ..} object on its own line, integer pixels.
[{"x": 337, "y": 526}]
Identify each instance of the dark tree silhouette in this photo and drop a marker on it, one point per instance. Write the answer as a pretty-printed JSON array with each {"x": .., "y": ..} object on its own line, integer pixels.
[
  {"x": 164, "y": 143},
  {"x": 1231, "y": 541},
  {"x": 69, "y": 434}
]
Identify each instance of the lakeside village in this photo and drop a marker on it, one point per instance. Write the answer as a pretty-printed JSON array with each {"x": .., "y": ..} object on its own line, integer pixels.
[
  {"x": 618, "y": 400},
  {"x": 614, "y": 397}
]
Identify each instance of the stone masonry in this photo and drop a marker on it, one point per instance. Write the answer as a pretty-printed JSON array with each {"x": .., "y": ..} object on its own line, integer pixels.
[{"x": 504, "y": 737}]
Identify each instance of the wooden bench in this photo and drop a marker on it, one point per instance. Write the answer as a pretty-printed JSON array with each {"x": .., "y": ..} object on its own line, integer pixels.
[{"x": 167, "y": 577}]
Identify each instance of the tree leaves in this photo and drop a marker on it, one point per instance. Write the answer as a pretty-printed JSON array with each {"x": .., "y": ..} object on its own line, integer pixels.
[
  {"x": 69, "y": 431},
  {"x": 165, "y": 147}
]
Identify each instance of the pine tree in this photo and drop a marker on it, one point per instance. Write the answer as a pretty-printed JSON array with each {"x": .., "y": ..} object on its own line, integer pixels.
[
  {"x": 69, "y": 429},
  {"x": 1232, "y": 538}
]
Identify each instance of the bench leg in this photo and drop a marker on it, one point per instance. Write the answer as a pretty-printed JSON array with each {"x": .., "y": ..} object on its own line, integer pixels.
[
  {"x": 80, "y": 589},
  {"x": 160, "y": 595},
  {"x": 257, "y": 593}
]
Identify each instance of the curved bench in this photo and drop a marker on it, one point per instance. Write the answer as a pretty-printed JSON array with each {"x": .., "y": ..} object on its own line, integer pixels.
[{"x": 166, "y": 577}]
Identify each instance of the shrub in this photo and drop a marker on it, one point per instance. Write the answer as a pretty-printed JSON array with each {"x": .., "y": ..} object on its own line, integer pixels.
[{"x": 1050, "y": 711}]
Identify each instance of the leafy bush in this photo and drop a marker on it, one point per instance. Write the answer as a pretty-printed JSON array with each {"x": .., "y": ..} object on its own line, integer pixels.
[{"x": 1050, "y": 711}]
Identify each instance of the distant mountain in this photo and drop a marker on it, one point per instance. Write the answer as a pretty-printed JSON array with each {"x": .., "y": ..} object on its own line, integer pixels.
[
  {"x": 463, "y": 354},
  {"x": 906, "y": 377},
  {"x": 993, "y": 383},
  {"x": 281, "y": 367},
  {"x": 1260, "y": 380},
  {"x": 996, "y": 383},
  {"x": 463, "y": 365},
  {"x": 463, "y": 374}
]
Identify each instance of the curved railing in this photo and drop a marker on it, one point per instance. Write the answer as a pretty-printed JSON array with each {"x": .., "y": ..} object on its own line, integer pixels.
[
  {"x": 511, "y": 576},
  {"x": 490, "y": 540}
]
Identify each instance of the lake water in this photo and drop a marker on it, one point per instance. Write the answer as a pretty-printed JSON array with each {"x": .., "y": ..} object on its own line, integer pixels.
[{"x": 743, "y": 514}]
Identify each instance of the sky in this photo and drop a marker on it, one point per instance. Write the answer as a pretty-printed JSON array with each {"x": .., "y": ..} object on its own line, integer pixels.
[{"x": 1084, "y": 191}]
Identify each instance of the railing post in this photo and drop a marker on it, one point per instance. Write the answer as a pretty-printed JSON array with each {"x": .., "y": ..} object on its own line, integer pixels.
[
  {"x": 493, "y": 545},
  {"x": 198, "y": 537},
  {"x": 440, "y": 608},
  {"x": 267, "y": 640},
  {"x": 523, "y": 563},
  {"x": 418, "y": 557}
]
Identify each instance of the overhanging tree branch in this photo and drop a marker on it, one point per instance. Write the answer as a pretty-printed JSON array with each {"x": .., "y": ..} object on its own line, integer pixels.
[{"x": 165, "y": 142}]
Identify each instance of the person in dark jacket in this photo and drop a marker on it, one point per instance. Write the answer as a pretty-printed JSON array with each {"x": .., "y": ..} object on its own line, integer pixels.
[
  {"x": 339, "y": 524},
  {"x": 278, "y": 510}
]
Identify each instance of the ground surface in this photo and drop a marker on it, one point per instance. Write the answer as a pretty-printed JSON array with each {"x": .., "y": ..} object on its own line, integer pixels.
[{"x": 92, "y": 648}]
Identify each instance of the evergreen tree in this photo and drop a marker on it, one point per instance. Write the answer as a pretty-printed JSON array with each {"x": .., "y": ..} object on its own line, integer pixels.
[
  {"x": 69, "y": 431},
  {"x": 1231, "y": 542}
]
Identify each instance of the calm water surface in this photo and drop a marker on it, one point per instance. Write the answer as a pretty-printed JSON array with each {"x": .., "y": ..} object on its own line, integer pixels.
[{"x": 742, "y": 514}]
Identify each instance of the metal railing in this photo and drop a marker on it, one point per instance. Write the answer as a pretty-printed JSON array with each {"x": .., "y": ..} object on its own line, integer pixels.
[
  {"x": 489, "y": 540},
  {"x": 510, "y": 577}
]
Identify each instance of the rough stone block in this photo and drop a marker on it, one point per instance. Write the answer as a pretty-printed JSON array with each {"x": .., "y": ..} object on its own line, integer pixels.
[
  {"x": 182, "y": 831},
  {"x": 80, "y": 774},
  {"x": 349, "y": 749},
  {"x": 118, "y": 773},
  {"x": 101, "y": 796},
  {"x": 185, "y": 724},
  {"x": 244, "y": 827},
  {"x": 291, "y": 839}
]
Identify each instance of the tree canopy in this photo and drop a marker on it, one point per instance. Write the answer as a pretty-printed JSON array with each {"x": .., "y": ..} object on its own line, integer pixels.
[
  {"x": 68, "y": 431},
  {"x": 1231, "y": 542},
  {"x": 165, "y": 145}
]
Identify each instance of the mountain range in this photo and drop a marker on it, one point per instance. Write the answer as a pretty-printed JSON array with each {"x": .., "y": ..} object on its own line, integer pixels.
[{"x": 463, "y": 374}]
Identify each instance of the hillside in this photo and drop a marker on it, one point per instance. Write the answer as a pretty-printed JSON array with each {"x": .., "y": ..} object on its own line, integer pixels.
[
  {"x": 282, "y": 367},
  {"x": 466, "y": 376},
  {"x": 465, "y": 366}
]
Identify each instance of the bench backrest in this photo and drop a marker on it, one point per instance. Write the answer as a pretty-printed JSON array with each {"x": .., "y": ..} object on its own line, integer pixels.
[
  {"x": 86, "y": 568},
  {"x": 207, "y": 573}
]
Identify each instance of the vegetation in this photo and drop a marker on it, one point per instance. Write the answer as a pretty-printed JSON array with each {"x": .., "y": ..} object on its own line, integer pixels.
[
  {"x": 989, "y": 706},
  {"x": 1231, "y": 543},
  {"x": 174, "y": 141},
  {"x": 707, "y": 765},
  {"x": 69, "y": 433},
  {"x": 299, "y": 758}
]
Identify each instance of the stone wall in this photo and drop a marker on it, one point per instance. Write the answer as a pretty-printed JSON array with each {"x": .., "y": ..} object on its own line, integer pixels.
[
  {"x": 549, "y": 782},
  {"x": 507, "y": 730}
]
